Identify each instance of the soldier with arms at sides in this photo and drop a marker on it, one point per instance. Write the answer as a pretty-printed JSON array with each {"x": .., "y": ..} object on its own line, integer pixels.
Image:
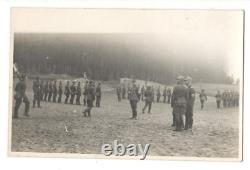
[
  {"x": 46, "y": 90},
  {"x": 164, "y": 94},
  {"x": 54, "y": 91},
  {"x": 66, "y": 92},
  {"x": 78, "y": 93},
  {"x": 60, "y": 91},
  {"x": 90, "y": 97},
  {"x": 72, "y": 93},
  {"x": 98, "y": 94},
  {"x": 123, "y": 92},
  {"x": 218, "y": 98},
  {"x": 37, "y": 92},
  {"x": 203, "y": 98},
  {"x": 148, "y": 99},
  {"x": 20, "y": 97},
  {"x": 50, "y": 91},
  {"x": 118, "y": 93},
  {"x": 158, "y": 94},
  {"x": 133, "y": 99}
]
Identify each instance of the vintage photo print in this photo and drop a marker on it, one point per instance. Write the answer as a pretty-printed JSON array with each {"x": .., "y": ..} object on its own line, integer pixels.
[{"x": 126, "y": 83}]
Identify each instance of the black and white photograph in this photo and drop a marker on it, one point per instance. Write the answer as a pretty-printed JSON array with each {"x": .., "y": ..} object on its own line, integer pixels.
[{"x": 126, "y": 83}]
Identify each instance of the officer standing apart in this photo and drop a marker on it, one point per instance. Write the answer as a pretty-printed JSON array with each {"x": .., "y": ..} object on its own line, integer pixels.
[
  {"x": 203, "y": 98},
  {"x": 134, "y": 98},
  {"x": 37, "y": 92},
  {"x": 90, "y": 96},
  {"x": 148, "y": 99},
  {"x": 20, "y": 97},
  {"x": 190, "y": 103},
  {"x": 98, "y": 94},
  {"x": 179, "y": 103}
]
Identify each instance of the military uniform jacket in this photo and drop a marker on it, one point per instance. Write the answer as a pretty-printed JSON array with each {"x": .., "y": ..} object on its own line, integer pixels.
[
  {"x": 179, "y": 96},
  {"x": 72, "y": 89},
  {"x": 218, "y": 97},
  {"x": 191, "y": 96},
  {"x": 60, "y": 91},
  {"x": 20, "y": 89},
  {"x": 134, "y": 94},
  {"x": 164, "y": 92},
  {"x": 203, "y": 96},
  {"x": 90, "y": 93},
  {"x": 98, "y": 91},
  {"x": 78, "y": 90},
  {"x": 50, "y": 88},
  {"x": 54, "y": 88},
  {"x": 36, "y": 87},
  {"x": 148, "y": 95},
  {"x": 66, "y": 90}
]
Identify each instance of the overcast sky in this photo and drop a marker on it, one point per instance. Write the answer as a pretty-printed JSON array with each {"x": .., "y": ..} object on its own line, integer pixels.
[{"x": 214, "y": 36}]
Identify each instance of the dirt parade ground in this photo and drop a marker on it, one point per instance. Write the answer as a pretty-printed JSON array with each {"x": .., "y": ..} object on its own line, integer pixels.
[{"x": 62, "y": 128}]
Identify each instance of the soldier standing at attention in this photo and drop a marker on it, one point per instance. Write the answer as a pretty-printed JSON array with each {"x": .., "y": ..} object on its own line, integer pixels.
[
  {"x": 54, "y": 91},
  {"x": 153, "y": 91},
  {"x": 37, "y": 92},
  {"x": 84, "y": 93},
  {"x": 78, "y": 93},
  {"x": 42, "y": 90},
  {"x": 169, "y": 95},
  {"x": 20, "y": 97},
  {"x": 148, "y": 99},
  {"x": 164, "y": 94},
  {"x": 190, "y": 103},
  {"x": 98, "y": 94},
  {"x": 46, "y": 91},
  {"x": 142, "y": 93},
  {"x": 118, "y": 92},
  {"x": 72, "y": 92},
  {"x": 218, "y": 97},
  {"x": 203, "y": 98},
  {"x": 50, "y": 91},
  {"x": 90, "y": 97},
  {"x": 123, "y": 92},
  {"x": 66, "y": 92},
  {"x": 134, "y": 98},
  {"x": 128, "y": 91},
  {"x": 224, "y": 99},
  {"x": 60, "y": 91},
  {"x": 179, "y": 103},
  {"x": 158, "y": 94}
]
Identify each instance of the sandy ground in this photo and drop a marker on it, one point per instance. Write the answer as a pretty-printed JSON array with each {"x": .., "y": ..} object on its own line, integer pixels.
[{"x": 215, "y": 132}]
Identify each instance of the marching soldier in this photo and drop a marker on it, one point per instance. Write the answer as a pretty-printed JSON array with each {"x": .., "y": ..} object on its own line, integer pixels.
[
  {"x": 218, "y": 97},
  {"x": 158, "y": 94},
  {"x": 164, "y": 94},
  {"x": 98, "y": 94},
  {"x": 134, "y": 98},
  {"x": 90, "y": 96},
  {"x": 37, "y": 92},
  {"x": 142, "y": 93},
  {"x": 78, "y": 93},
  {"x": 60, "y": 91},
  {"x": 148, "y": 99},
  {"x": 123, "y": 92},
  {"x": 50, "y": 91},
  {"x": 169, "y": 95},
  {"x": 190, "y": 103},
  {"x": 72, "y": 92},
  {"x": 66, "y": 92},
  {"x": 179, "y": 103},
  {"x": 20, "y": 97},
  {"x": 54, "y": 91},
  {"x": 46, "y": 91},
  {"x": 203, "y": 98},
  {"x": 118, "y": 92}
]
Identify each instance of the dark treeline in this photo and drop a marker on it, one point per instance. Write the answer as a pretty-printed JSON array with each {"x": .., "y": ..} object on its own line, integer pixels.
[{"x": 107, "y": 57}]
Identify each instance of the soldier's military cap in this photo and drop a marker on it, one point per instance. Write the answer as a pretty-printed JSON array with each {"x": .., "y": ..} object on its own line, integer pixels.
[
  {"x": 188, "y": 78},
  {"x": 180, "y": 78}
]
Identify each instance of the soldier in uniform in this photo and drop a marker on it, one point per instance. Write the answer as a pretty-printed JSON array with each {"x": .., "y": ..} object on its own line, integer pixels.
[
  {"x": 148, "y": 99},
  {"x": 46, "y": 90},
  {"x": 98, "y": 94},
  {"x": 129, "y": 91},
  {"x": 118, "y": 92},
  {"x": 158, "y": 94},
  {"x": 203, "y": 98},
  {"x": 20, "y": 97},
  {"x": 190, "y": 103},
  {"x": 72, "y": 92},
  {"x": 84, "y": 93},
  {"x": 223, "y": 96},
  {"x": 179, "y": 103},
  {"x": 78, "y": 93},
  {"x": 142, "y": 93},
  {"x": 90, "y": 97},
  {"x": 37, "y": 92},
  {"x": 164, "y": 94},
  {"x": 60, "y": 92},
  {"x": 42, "y": 90},
  {"x": 50, "y": 91},
  {"x": 134, "y": 98},
  {"x": 153, "y": 91},
  {"x": 218, "y": 98},
  {"x": 123, "y": 92},
  {"x": 169, "y": 95},
  {"x": 66, "y": 92},
  {"x": 54, "y": 91}
]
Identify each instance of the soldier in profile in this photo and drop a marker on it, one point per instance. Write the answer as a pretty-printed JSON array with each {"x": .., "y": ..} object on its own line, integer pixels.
[
  {"x": 66, "y": 92},
  {"x": 72, "y": 93},
  {"x": 133, "y": 99},
  {"x": 20, "y": 96},
  {"x": 60, "y": 91},
  {"x": 37, "y": 92},
  {"x": 54, "y": 91},
  {"x": 169, "y": 94},
  {"x": 179, "y": 103},
  {"x": 78, "y": 93}
]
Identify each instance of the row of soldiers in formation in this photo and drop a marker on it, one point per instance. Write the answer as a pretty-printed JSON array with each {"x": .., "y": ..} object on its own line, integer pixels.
[
  {"x": 228, "y": 99},
  {"x": 52, "y": 93},
  {"x": 121, "y": 92}
]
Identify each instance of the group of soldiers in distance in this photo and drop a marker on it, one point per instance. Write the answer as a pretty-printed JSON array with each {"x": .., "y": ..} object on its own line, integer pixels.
[
  {"x": 51, "y": 92},
  {"x": 228, "y": 99}
]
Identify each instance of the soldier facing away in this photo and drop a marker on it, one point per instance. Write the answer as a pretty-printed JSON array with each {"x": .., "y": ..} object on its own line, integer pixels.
[
  {"x": 133, "y": 99},
  {"x": 60, "y": 91},
  {"x": 78, "y": 93},
  {"x": 203, "y": 98},
  {"x": 98, "y": 94},
  {"x": 20, "y": 97},
  {"x": 66, "y": 92},
  {"x": 37, "y": 92},
  {"x": 179, "y": 103},
  {"x": 190, "y": 103},
  {"x": 218, "y": 97},
  {"x": 90, "y": 96},
  {"x": 148, "y": 99}
]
